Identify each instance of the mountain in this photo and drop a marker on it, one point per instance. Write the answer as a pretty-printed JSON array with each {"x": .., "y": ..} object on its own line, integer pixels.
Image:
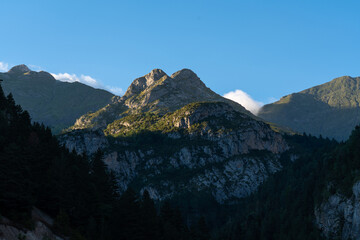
[
  {"x": 157, "y": 93},
  {"x": 331, "y": 109},
  {"x": 229, "y": 174},
  {"x": 46, "y": 192},
  {"x": 54, "y": 103},
  {"x": 314, "y": 197},
  {"x": 173, "y": 136}
]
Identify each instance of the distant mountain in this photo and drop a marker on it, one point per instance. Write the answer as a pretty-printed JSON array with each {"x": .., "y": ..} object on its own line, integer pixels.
[
  {"x": 331, "y": 109},
  {"x": 157, "y": 93},
  {"x": 173, "y": 136},
  {"x": 54, "y": 103}
]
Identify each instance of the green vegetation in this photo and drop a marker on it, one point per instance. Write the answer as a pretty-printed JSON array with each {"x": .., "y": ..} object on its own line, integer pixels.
[
  {"x": 54, "y": 103},
  {"x": 331, "y": 109},
  {"x": 342, "y": 167},
  {"x": 79, "y": 193},
  {"x": 164, "y": 95},
  {"x": 103, "y": 116},
  {"x": 182, "y": 120},
  {"x": 342, "y": 92},
  {"x": 283, "y": 207}
]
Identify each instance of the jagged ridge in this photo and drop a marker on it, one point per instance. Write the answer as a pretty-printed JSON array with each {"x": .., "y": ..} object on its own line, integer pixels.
[{"x": 158, "y": 93}]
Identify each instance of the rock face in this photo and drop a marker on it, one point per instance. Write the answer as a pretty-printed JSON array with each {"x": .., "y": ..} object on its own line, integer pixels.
[
  {"x": 158, "y": 93},
  {"x": 54, "y": 103},
  {"x": 41, "y": 231},
  {"x": 331, "y": 109},
  {"x": 339, "y": 217},
  {"x": 203, "y": 147}
]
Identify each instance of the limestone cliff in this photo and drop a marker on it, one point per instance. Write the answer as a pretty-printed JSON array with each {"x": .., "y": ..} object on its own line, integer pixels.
[
  {"x": 41, "y": 229},
  {"x": 339, "y": 216},
  {"x": 203, "y": 147}
]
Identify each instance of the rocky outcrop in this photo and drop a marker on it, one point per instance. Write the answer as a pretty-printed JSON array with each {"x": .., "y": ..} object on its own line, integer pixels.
[
  {"x": 155, "y": 92},
  {"x": 41, "y": 231},
  {"x": 140, "y": 84},
  {"x": 203, "y": 147},
  {"x": 339, "y": 217},
  {"x": 188, "y": 117},
  {"x": 172, "y": 135},
  {"x": 84, "y": 142}
]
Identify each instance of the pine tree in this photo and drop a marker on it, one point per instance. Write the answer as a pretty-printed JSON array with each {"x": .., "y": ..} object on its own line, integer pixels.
[{"x": 149, "y": 218}]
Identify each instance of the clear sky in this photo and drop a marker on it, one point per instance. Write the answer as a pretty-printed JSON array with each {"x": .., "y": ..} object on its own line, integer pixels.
[{"x": 265, "y": 48}]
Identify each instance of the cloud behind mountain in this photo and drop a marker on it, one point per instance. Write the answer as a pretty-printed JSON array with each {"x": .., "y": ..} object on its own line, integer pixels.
[
  {"x": 88, "y": 80},
  {"x": 245, "y": 100},
  {"x": 4, "y": 67}
]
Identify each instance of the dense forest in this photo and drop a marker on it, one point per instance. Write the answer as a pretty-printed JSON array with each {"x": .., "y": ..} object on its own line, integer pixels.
[
  {"x": 283, "y": 207},
  {"x": 79, "y": 193}
]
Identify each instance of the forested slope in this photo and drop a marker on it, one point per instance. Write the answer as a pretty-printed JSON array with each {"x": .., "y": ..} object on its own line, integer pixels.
[{"x": 80, "y": 194}]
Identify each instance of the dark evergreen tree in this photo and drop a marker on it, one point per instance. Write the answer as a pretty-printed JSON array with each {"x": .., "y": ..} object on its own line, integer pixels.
[{"x": 149, "y": 218}]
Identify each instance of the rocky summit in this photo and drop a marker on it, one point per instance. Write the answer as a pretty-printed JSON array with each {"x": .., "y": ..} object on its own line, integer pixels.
[
  {"x": 173, "y": 136},
  {"x": 19, "y": 69},
  {"x": 158, "y": 93}
]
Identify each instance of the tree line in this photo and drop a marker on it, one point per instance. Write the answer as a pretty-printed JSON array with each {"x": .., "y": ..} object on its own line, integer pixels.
[{"x": 79, "y": 193}]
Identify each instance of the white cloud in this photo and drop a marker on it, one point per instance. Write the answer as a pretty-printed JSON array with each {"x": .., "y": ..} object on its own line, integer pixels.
[
  {"x": 67, "y": 77},
  {"x": 85, "y": 79},
  {"x": 245, "y": 100},
  {"x": 89, "y": 80},
  {"x": 4, "y": 67}
]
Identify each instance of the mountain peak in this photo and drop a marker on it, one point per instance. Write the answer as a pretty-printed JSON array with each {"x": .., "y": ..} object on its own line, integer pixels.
[
  {"x": 184, "y": 73},
  {"x": 153, "y": 76},
  {"x": 330, "y": 109},
  {"x": 156, "y": 90},
  {"x": 19, "y": 69},
  {"x": 140, "y": 84},
  {"x": 156, "y": 72},
  {"x": 158, "y": 93}
]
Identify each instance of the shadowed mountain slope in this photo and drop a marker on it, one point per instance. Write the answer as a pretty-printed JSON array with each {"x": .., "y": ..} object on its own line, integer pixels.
[
  {"x": 331, "y": 109},
  {"x": 54, "y": 103},
  {"x": 173, "y": 136}
]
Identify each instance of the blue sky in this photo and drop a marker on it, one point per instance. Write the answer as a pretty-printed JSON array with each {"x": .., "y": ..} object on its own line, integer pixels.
[{"x": 264, "y": 48}]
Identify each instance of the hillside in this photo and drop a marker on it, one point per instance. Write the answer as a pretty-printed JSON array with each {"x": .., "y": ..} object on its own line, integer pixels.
[
  {"x": 158, "y": 93},
  {"x": 331, "y": 109},
  {"x": 220, "y": 166},
  {"x": 56, "y": 104},
  {"x": 315, "y": 197},
  {"x": 173, "y": 136},
  {"x": 46, "y": 192}
]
